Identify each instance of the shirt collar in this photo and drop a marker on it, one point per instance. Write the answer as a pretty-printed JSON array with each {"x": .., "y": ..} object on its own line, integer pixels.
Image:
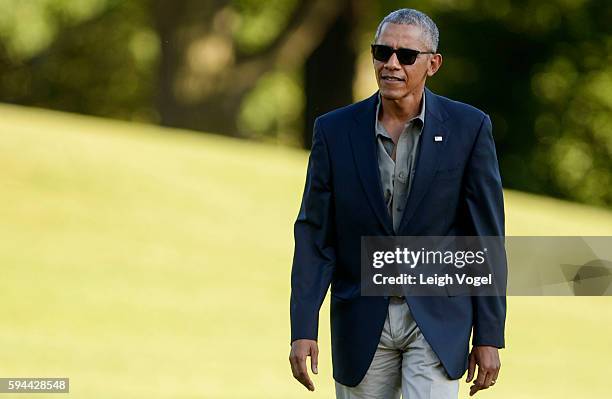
[{"x": 421, "y": 116}]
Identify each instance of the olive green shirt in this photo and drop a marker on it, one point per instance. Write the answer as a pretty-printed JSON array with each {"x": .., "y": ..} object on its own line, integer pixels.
[{"x": 396, "y": 176}]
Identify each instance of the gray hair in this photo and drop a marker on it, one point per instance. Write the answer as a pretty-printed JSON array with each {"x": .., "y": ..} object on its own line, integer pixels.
[{"x": 409, "y": 16}]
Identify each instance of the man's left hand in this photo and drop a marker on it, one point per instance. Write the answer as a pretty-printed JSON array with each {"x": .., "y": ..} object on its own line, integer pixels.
[{"x": 487, "y": 359}]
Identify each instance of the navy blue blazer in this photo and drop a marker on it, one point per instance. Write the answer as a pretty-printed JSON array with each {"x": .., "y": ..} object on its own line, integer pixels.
[{"x": 456, "y": 191}]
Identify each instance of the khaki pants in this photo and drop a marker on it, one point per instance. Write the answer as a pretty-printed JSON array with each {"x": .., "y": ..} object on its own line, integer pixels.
[{"x": 404, "y": 364}]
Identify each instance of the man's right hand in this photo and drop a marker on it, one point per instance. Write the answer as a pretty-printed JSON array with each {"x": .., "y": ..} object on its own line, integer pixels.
[{"x": 300, "y": 350}]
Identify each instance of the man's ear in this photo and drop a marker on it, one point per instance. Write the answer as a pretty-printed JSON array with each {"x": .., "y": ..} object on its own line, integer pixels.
[{"x": 435, "y": 62}]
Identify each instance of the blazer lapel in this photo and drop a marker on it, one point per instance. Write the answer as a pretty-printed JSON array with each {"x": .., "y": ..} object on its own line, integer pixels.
[
  {"x": 429, "y": 150},
  {"x": 363, "y": 142}
]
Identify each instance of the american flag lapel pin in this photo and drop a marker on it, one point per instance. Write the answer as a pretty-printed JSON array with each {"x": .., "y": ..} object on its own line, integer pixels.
[{"x": 437, "y": 138}]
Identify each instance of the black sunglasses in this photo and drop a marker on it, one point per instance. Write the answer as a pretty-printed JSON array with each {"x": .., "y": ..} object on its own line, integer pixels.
[{"x": 406, "y": 56}]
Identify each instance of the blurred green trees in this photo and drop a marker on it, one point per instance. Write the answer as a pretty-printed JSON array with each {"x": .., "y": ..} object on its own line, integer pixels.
[
  {"x": 265, "y": 70},
  {"x": 94, "y": 57}
]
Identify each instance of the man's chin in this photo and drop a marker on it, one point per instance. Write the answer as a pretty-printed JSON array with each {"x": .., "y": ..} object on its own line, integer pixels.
[{"x": 392, "y": 94}]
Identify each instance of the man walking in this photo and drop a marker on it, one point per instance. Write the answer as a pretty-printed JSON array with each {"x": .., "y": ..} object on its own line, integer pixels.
[{"x": 403, "y": 162}]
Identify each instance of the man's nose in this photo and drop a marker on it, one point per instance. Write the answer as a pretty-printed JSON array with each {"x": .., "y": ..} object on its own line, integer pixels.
[{"x": 393, "y": 62}]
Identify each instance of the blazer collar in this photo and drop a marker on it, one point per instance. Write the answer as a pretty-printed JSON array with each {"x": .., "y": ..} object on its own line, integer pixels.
[
  {"x": 366, "y": 109},
  {"x": 363, "y": 142}
]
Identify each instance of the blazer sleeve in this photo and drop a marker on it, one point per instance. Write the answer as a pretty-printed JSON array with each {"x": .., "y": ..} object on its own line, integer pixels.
[
  {"x": 485, "y": 206},
  {"x": 314, "y": 254}
]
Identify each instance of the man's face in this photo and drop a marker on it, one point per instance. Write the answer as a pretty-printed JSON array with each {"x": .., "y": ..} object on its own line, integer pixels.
[{"x": 396, "y": 81}]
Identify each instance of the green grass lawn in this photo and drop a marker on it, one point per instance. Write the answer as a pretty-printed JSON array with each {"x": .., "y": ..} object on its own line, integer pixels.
[{"x": 144, "y": 262}]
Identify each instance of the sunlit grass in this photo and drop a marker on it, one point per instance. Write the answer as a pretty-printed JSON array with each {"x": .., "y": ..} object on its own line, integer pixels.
[{"x": 154, "y": 263}]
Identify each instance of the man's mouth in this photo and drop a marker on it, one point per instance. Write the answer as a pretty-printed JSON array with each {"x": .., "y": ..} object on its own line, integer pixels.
[{"x": 392, "y": 79}]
